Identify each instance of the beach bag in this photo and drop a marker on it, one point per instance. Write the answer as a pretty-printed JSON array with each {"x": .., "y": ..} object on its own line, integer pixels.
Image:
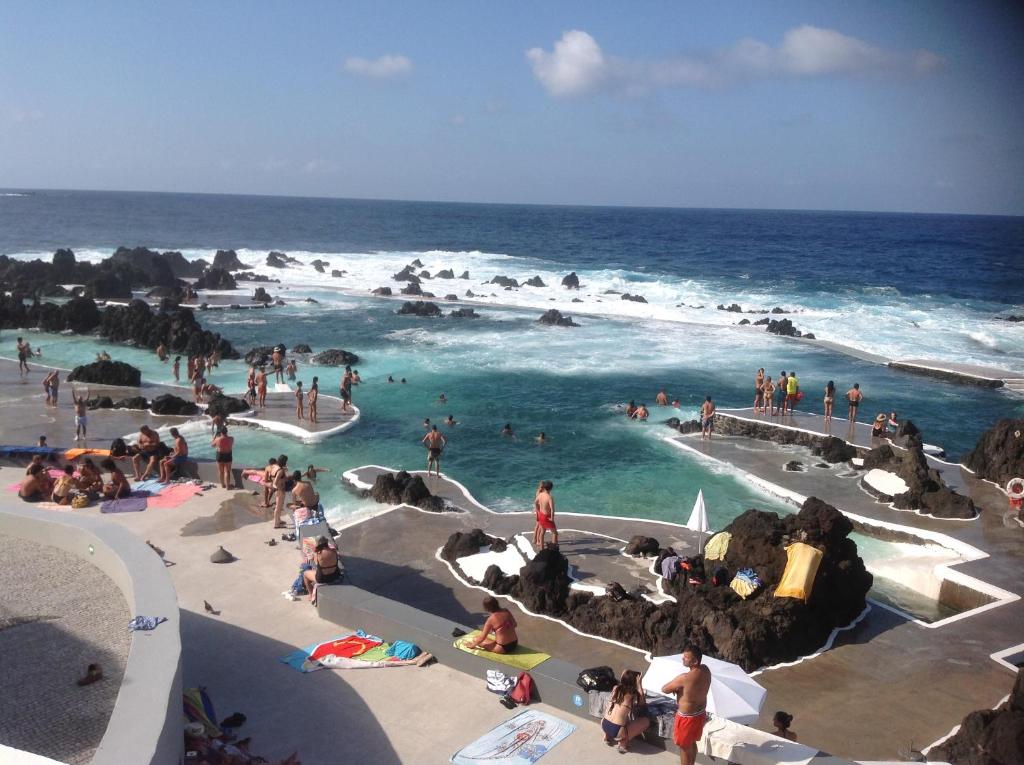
[
  {"x": 615, "y": 591},
  {"x": 79, "y": 501},
  {"x": 524, "y": 691},
  {"x": 596, "y": 679}
]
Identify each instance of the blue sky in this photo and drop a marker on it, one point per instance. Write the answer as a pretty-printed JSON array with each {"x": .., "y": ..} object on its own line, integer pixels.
[{"x": 912, "y": 106}]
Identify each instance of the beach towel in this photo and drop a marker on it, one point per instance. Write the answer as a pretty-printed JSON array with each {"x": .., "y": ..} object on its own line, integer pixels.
[
  {"x": 524, "y": 739},
  {"x": 745, "y": 583},
  {"x": 521, "y": 658},
  {"x": 127, "y": 505},
  {"x": 73, "y": 454},
  {"x": 175, "y": 495},
  {"x": 150, "y": 486},
  {"x": 256, "y": 476},
  {"x": 402, "y": 649},
  {"x": 801, "y": 568},
  {"x": 717, "y": 546},
  {"x": 13, "y": 451}
]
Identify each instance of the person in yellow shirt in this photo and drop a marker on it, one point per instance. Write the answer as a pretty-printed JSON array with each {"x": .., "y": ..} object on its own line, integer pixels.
[{"x": 792, "y": 391}]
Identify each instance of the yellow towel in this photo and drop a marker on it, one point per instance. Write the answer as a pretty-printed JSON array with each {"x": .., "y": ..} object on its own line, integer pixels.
[
  {"x": 801, "y": 568},
  {"x": 522, "y": 658},
  {"x": 717, "y": 546},
  {"x": 742, "y": 587}
]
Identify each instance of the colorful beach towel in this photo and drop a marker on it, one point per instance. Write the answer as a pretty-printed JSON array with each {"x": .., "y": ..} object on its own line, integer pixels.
[
  {"x": 149, "y": 486},
  {"x": 175, "y": 495},
  {"x": 199, "y": 708},
  {"x": 523, "y": 657},
  {"x": 352, "y": 651},
  {"x": 524, "y": 739},
  {"x": 127, "y": 505}
]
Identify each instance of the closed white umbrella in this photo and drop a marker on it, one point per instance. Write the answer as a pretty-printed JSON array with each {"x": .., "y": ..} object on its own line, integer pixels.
[
  {"x": 733, "y": 695},
  {"x": 699, "y": 520}
]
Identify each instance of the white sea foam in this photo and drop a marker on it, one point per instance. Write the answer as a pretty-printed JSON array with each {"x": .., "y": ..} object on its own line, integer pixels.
[{"x": 876, "y": 320}]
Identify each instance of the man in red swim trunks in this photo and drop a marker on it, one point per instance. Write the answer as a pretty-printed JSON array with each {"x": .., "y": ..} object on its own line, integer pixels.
[
  {"x": 691, "y": 691},
  {"x": 544, "y": 511}
]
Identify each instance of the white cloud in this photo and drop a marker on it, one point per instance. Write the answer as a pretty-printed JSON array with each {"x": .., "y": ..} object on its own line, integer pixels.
[
  {"x": 383, "y": 68},
  {"x": 576, "y": 64}
]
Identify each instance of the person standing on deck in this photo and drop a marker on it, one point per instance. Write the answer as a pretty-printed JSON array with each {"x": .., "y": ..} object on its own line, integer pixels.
[
  {"x": 435, "y": 443},
  {"x": 544, "y": 510},
  {"x": 792, "y": 391},
  {"x": 346, "y": 389},
  {"x": 854, "y": 396},
  {"x": 707, "y": 418},
  {"x": 780, "y": 391},
  {"x": 80, "y": 412},
  {"x": 691, "y": 692}
]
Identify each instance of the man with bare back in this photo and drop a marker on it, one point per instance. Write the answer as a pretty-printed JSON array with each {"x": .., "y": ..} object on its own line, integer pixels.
[
  {"x": 691, "y": 692},
  {"x": 435, "y": 443}
]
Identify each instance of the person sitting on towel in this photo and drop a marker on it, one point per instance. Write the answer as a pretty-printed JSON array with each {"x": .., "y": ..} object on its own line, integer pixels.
[
  {"x": 502, "y": 624},
  {"x": 118, "y": 488},
  {"x": 89, "y": 479},
  {"x": 327, "y": 571},
  {"x": 63, "y": 486},
  {"x": 34, "y": 487}
]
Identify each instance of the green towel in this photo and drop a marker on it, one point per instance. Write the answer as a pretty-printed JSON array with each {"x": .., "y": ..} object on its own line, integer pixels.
[
  {"x": 377, "y": 653},
  {"x": 522, "y": 658}
]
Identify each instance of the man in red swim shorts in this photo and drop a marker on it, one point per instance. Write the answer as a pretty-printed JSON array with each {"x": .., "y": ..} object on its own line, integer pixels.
[{"x": 691, "y": 692}]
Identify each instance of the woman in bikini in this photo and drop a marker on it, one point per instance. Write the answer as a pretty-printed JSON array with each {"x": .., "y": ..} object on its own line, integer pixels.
[
  {"x": 830, "y": 397},
  {"x": 313, "y": 395},
  {"x": 118, "y": 487},
  {"x": 327, "y": 571},
  {"x": 224, "y": 443},
  {"x": 627, "y": 700},
  {"x": 767, "y": 393},
  {"x": 502, "y": 624},
  {"x": 300, "y": 397}
]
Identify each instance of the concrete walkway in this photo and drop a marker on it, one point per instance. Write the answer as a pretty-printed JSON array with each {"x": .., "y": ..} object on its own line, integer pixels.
[{"x": 58, "y": 614}]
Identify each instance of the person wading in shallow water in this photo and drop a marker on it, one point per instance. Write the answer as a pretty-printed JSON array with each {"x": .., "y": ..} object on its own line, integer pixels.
[
  {"x": 691, "y": 692},
  {"x": 435, "y": 443}
]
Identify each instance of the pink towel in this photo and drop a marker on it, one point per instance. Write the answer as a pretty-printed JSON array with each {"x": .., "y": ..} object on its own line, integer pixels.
[
  {"x": 256, "y": 476},
  {"x": 175, "y": 495}
]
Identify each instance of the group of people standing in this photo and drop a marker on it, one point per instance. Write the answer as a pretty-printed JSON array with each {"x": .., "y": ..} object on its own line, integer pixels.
[{"x": 781, "y": 396}]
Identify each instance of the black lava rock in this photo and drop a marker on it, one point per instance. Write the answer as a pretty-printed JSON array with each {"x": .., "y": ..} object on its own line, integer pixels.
[{"x": 107, "y": 373}]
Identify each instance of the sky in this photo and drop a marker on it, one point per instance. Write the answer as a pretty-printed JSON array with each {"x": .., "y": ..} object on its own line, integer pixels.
[{"x": 892, "y": 106}]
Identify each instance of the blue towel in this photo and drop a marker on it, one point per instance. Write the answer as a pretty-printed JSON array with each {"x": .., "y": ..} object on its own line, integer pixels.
[
  {"x": 146, "y": 622},
  {"x": 151, "y": 486},
  {"x": 401, "y": 649}
]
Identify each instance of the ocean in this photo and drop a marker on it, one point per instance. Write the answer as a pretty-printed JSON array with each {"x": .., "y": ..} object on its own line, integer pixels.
[{"x": 899, "y": 286}]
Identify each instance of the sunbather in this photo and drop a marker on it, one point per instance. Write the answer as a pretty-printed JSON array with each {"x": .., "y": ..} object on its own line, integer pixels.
[
  {"x": 503, "y": 626},
  {"x": 623, "y": 719}
]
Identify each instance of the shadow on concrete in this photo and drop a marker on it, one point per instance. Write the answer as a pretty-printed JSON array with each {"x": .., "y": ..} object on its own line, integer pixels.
[
  {"x": 328, "y": 721},
  {"x": 408, "y": 585}
]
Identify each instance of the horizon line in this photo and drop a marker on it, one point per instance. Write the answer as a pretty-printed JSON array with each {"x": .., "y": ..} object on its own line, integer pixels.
[{"x": 33, "y": 190}]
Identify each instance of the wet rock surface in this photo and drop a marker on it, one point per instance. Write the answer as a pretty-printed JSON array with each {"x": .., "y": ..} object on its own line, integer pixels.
[
  {"x": 926, "y": 491},
  {"x": 216, "y": 279},
  {"x": 404, "y": 488},
  {"x": 107, "y": 373},
  {"x": 171, "y": 404},
  {"x": 419, "y": 308},
  {"x": 334, "y": 357},
  {"x": 571, "y": 281},
  {"x": 554, "y": 318},
  {"x": 999, "y": 453},
  {"x": 225, "y": 405},
  {"x": 228, "y": 260}
]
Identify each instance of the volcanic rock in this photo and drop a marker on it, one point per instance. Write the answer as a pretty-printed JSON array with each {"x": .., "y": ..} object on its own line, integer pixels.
[
  {"x": 228, "y": 260},
  {"x": 133, "y": 402},
  {"x": 776, "y": 309},
  {"x": 301, "y": 348},
  {"x": 734, "y": 308},
  {"x": 744, "y": 321},
  {"x": 320, "y": 265},
  {"x": 336, "y": 273},
  {"x": 259, "y": 356},
  {"x": 382, "y": 291},
  {"x": 100, "y": 402},
  {"x": 249, "y": 276},
  {"x": 783, "y": 327},
  {"x": 571, "y": 281},
  {"x": 465, "y": 313},
  {"x": 64, "y": 261},
  {"x": 181, "y": 267},
  {"x": 107, "y": 373},
  {"x": 470, "y": 293},
  {"x": 834, "y": 450},
  {"x": 444, "y": 273},
  {"x": 451, "y": 296},
  {"x": 403, "y": 488},
  {"x": 641, "y": 545},
  {"x": 424, "y": 274},
  {"x": 554, "y": 318},
  {"x": 407, "y": 274},
  {"x": 260, "y": 295},
  {"x": 278, "y": 260},
  {"x": 169, "y": 404},
  {"x": 108, "y": 286},
  {"x": 536, "y": 281},
  {"x": 794, "y": 466},
  {"x": 150, "y": 267},
  {"x": 216, "y": 279},
  {"x": 462, "y": 544},
  {"x": 926, "y": 491},
  {"x": 999, "y": 453},
  {"x": 543, "y": 585},
  {"x": 419, "y": 308},
  {"x": 412, "y": 288},
  {"x": 504, "y": 281},
  {"x": 225, "y": 405},
  {"x": 810, "y": 336},
  {"x": 989, "y": 736},
  {"x": 634, "y": 298},
  {"x": 762, "y": 322},
  {"x": 417, "y": 263},
  {"x": 465, "y": 275},
  {"x": 334, "y": 357}
]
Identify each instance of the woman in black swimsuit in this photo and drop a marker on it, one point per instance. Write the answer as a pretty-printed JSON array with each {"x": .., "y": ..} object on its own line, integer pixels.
[
  {"x": 328, "y": 570},
  {"x": 502, "y": 624}
]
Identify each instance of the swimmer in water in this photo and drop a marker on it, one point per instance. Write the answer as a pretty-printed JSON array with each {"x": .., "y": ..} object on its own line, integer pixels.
[
  {"x": 507, "y": 430},
  {"x": 426, "y": 423},
  {"x": 442, "y": 399},
  {"x": 662, "y": 398},
  {"x": 391, "y": 379},
  {"x": 542, "y": 438},
  {"x": 450, "y": 421}
]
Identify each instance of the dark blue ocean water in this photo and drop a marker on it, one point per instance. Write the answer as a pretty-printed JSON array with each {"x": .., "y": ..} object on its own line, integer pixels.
[{"x": 957, "y": 256}]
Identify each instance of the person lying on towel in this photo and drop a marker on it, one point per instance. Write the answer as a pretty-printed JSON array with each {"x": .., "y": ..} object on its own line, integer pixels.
[{"x": 502, "y": 624}]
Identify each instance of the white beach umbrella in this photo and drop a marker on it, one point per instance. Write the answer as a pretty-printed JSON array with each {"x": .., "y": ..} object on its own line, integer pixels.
[
  {"x": 733, "y": 695},
  {"x": 699, "y": 520}
]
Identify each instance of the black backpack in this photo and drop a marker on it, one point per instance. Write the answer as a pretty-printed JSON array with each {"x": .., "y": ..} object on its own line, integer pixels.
[{"x": 596, "y": 679}]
